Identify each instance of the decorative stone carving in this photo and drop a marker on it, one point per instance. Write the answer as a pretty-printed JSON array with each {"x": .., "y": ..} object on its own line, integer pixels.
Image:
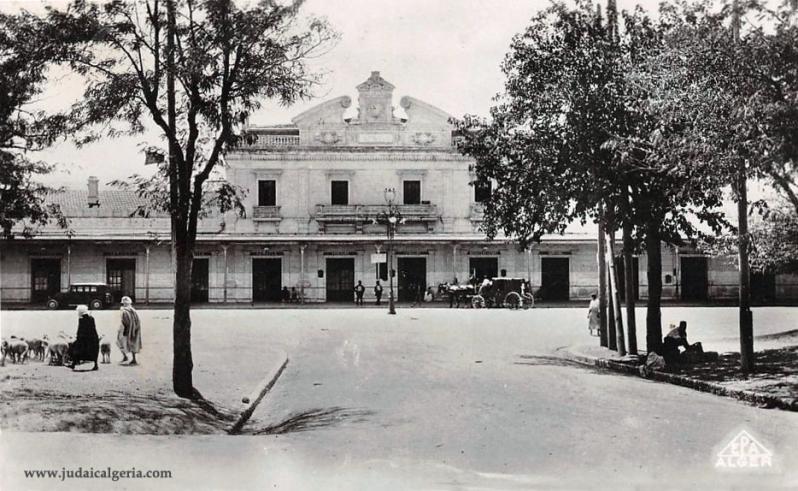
[
  {"x": 328, "y": 137},
  {"x": 423, "y": 138}
]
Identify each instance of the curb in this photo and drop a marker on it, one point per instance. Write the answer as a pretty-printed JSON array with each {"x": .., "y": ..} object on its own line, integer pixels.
[
  {"x": 257, "y": 395},
  {"x": 787, "y": 404}
]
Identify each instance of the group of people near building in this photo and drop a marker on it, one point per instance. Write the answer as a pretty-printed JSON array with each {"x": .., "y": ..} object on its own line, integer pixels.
[
  {"x": 86, "y": 346},
  {"x": 290, "y": 296}
]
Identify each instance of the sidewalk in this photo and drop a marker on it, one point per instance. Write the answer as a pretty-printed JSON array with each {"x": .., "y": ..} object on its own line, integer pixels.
[{"x": 774, "y": 385}]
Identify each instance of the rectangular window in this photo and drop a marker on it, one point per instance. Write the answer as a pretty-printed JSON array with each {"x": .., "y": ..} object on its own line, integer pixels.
[
  {"x": 412, "y": 192},
  {"x": 382, "y": 271},
  {"x": 482, "y": 190},
  {"x": 267, "y": 193},
  {"x": 339, "y": 192}
]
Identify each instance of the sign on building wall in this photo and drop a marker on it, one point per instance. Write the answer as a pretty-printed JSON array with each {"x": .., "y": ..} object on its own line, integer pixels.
[{"x": 379, "y": 258}]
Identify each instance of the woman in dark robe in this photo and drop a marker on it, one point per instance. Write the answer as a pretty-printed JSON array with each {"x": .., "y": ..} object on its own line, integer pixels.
[{"x": 86, "y": 346}]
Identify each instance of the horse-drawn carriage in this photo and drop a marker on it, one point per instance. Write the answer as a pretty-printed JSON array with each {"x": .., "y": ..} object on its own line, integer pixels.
[{"x": 512, "y": 293}]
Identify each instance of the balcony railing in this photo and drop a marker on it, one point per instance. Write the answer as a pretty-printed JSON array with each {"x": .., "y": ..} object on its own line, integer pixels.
[
  {"x": 270, "y": 141},
  {"x": 360, "y": 214},
  {"x": 266, "y": 213}
]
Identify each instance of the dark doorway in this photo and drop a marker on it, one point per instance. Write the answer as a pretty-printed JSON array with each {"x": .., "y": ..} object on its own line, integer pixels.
[
  {"x": 267, "y": 193},
  {"x": 763, "y": 288},
  {"x": 199, "y": 280},
  {"x": 45, "y": 278},
  {"x": 267, "y": 279},
  {"x": 483, "y": 267},
  {"x": 619, "y": 264},
  {"x": 121, "y": 274},
  {"x": 339, "y": 192},
  {"x": 695, "y": 278},
  {"x": 554, "y": 278},
  {"x": 411, "y": 192},
  {"x": 412, "y": 272},
  {"x": 341, "y": 279}
]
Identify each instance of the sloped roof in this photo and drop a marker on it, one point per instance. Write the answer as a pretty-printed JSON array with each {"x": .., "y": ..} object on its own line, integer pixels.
[{"x": 115, "y": 203}]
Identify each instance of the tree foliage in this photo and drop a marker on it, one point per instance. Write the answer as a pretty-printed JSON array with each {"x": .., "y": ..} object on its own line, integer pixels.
[
  {"x": 578, "y": 130},
  {"x": 24, "y": 61},
  {"x": 195, "y": 70}
]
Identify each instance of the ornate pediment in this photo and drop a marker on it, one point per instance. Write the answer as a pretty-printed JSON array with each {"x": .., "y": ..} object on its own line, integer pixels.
[{"x": 326, "y": 113}]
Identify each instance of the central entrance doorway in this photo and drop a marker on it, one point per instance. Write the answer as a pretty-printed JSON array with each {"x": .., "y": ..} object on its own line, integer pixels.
[
  {"x": 554, "y": 278},
  {"x": 266, "y": 279},
  {"x": 412, "y": 272},
  {"x": 121, "y": 274},
  {"x": 341, "y": 279},
  {"x": 694, "y": 278},
  {"x": 199, "y": 280},
  {"x": 483, "y": 267}
]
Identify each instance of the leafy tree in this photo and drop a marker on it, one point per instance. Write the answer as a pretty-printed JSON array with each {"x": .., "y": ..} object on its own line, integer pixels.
[
  {"x": 737, "y": 89},
  {"x": 23, "y": 130},
  {"x": 575, "y": 134},
  {"x": 195, "y": 70}
]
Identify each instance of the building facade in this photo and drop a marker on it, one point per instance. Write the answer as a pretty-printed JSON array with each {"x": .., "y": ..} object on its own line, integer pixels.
[{"x": 315, "y": 190}]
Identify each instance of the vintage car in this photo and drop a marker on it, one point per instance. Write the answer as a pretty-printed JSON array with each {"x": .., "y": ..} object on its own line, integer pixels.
[{"x": 96, "y": 295}]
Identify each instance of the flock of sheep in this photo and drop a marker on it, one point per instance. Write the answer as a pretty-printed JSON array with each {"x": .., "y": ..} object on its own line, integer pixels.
[{"x": 20, "y": 350}]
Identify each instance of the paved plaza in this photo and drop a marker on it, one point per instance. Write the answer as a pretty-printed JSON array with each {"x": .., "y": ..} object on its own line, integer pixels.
[{"x": 429, "y": 398}]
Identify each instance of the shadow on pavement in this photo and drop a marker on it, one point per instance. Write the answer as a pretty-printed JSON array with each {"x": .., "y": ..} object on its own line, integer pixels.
[
  {"x": 555, "y": 361},
  {"x": 312, "y": 420},
  {"x": 112, "y": 413}
]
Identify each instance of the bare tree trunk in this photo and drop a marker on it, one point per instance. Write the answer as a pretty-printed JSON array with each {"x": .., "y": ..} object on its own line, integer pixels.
[
  {"x": 612, "y": 341},
  {"x": 602, "y": 290},
  {"x": 746, "y": 316},
  {"x": 653, "y": 313},
  {"x": 629, "y": 287},
  {"x": 183, "y": 365},
  {"x": 616, "y": 298}
]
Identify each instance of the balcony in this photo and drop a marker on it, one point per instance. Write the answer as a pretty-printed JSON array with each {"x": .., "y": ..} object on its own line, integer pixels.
[
  {"x": 477, "y": 213},
  {"x": 358, "y": 215},
  {"x": 266, "y": 213}
]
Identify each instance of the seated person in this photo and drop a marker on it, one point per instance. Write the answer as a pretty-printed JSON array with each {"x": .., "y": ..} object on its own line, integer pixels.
[
  {"x": 294, "y": 295},
  {"x": 673, "y": 340},
  {"x": 286, "y": 295}
]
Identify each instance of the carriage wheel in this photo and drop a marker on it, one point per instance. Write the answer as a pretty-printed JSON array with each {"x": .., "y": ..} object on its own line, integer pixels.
[
  {"x": 477, "y": 301},
  {"x": 512, "y": 300},
  {"x": 529, "y": 301}
]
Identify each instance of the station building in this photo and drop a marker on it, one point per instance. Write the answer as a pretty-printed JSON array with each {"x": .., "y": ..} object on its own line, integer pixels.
[{"x": 315, "y": 189}]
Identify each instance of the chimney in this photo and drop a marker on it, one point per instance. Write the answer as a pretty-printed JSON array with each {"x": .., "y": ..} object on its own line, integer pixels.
[{"x": 94, "y": 193}]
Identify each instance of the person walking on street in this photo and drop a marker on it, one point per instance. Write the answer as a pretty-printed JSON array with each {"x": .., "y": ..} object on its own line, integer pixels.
[
  {"x": 129, "y": 336},
  {"x": 86, "y": 346},
  {"x": 378, "y": 292},
  {"x": 593, "y": 313},
  {"x": 359, "y": 291}
]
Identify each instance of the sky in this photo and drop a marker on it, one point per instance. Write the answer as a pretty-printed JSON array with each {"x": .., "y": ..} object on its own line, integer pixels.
[{"x": 445, "y": 52}]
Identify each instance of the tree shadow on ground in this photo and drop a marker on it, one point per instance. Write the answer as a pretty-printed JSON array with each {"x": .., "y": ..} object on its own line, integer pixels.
[
  {"x": 554, "y": 361},
  {"x": 314, "y": 419},
  {"x": 770, "y": 364},
  {"x": 113, "y": 412},
  {"x": 776, "y": 371}
]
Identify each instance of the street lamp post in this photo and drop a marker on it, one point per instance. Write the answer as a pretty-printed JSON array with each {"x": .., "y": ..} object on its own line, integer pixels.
[{"x": 391, "y": 218}]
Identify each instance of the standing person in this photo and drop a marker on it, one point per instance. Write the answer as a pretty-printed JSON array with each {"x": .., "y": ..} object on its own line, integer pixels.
[
  {"x": 593, "y": 313},
  {"x": 359, "y": 291},
  {"x": 86, "y": 346},
  {"x": 378, "y": 291},
  {"x": 129, "y": 337}
]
